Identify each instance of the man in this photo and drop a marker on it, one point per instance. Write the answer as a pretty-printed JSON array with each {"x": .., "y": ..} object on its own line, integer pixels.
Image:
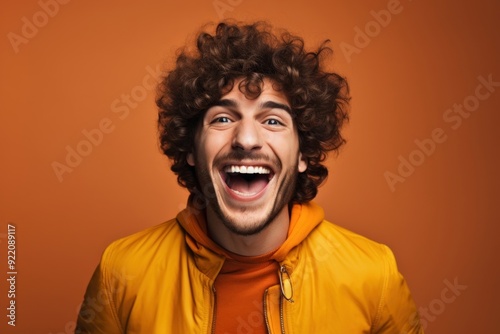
[{"x": 247, "y": 119}]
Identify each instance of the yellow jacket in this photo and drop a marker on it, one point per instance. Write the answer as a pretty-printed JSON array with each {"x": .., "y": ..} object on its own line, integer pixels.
[{"x": 161, "y": 280}]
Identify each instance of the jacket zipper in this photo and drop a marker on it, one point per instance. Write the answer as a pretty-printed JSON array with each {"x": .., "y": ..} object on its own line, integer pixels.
[
  {"x": 282, "y": 275},
  {"x": 214, "y": 312},
  {"x": 285, "y": 275},
  {"x": 282, "y": 318},
  {"x": 265, "y": 312}
]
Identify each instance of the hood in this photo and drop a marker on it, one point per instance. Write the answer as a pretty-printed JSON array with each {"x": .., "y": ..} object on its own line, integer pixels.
[{"x": 210, "y": 256}]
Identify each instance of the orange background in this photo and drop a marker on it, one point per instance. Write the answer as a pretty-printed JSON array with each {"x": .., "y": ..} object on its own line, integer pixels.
[{"x": 441, "y": 221}]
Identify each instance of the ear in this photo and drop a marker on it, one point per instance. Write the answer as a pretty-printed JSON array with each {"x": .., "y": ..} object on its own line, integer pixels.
[
  {"x": 302, "y": 165},
  {"x": 190, "y": 159}
]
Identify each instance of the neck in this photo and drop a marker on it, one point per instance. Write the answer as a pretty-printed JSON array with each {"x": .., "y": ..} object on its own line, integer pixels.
[{"x": 267, "y": 240}]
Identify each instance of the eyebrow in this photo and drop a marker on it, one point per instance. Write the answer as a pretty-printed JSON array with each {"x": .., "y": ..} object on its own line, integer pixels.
[
  {"x": 266, "y": 105},
  {"x": 276, "y": 105}
]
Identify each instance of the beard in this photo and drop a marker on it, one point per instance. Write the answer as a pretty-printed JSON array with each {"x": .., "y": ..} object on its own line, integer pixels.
[{"x": 245, "y": 224}]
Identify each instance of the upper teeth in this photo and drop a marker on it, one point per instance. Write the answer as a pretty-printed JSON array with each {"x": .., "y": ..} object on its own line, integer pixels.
[{"x": 247, "y": 169}]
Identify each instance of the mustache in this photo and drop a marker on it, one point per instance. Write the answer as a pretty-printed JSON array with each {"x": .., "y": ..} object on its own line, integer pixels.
[{"x": 247, "y": 155}]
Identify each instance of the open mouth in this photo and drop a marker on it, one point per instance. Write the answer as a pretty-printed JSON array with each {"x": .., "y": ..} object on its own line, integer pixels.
[{"x": 247, "y": 181}]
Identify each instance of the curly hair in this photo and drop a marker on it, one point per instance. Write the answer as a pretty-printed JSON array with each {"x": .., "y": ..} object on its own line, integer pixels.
[{"x": 318, "y": 98}]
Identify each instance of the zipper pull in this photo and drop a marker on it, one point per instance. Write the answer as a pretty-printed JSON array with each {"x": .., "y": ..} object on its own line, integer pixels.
[{"x": 286, "y": 284}]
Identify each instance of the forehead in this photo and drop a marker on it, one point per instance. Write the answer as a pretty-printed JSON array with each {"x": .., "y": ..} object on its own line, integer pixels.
[{"x": 269, "y": 91}]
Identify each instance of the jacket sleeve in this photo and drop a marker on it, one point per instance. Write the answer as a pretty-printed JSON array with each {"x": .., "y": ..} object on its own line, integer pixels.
[
  {"x": 98, "y": 313},
  {"x": 397, "y": 313}
]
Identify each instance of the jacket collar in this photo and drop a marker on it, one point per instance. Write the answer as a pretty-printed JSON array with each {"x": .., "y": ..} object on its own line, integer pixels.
[{"x": 209, "y": 257}]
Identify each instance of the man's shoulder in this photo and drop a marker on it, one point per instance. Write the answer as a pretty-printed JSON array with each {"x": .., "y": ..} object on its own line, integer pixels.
[
  {"x": 343, "y": 243},
  {"x": 146, "y": 246},
  {"x": 348, "y": 257},
  {"x": 346, "y": 235}
]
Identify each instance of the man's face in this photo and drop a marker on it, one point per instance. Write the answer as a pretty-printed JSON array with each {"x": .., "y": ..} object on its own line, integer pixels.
[{"x": 248, "y": 151}]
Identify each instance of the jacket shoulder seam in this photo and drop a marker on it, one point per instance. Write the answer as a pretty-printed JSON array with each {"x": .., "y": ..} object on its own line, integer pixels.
[
  {"x": 108, "y": 294},
  {"x": 385, "y": 285}
]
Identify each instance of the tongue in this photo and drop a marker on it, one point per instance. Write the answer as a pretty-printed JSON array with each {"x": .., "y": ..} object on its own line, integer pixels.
[{"x": 240, "y": 184}]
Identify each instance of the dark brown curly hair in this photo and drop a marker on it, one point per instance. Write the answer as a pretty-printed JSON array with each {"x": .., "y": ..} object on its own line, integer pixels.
[{"x": 318, "y": 98}]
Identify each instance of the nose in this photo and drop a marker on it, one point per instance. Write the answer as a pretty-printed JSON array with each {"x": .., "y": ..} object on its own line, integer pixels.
[{"x": 247, "y": 136}]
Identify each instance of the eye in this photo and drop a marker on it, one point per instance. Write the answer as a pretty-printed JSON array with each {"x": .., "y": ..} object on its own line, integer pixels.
[
  {"x": 221, "y": 119},
  {"x": 272, "y": 121}
]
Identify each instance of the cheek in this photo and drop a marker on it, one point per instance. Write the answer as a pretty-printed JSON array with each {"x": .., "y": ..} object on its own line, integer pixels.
[
  {"x": 209, "y": 146},
  {"x": 286, "y": 149}
]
